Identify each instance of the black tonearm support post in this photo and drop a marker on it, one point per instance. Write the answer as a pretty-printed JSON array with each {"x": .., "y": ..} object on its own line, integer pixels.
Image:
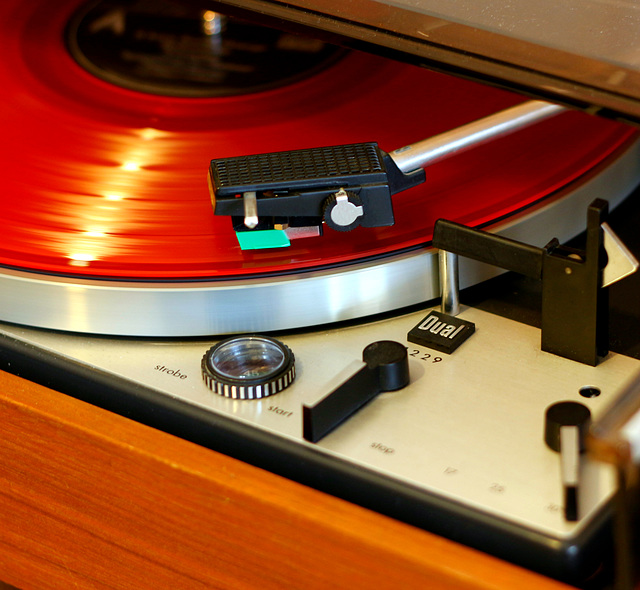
[{"x": 574, "y": 293}]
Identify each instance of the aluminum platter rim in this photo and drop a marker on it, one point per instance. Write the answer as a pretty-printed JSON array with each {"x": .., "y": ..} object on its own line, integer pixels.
[{"x": 292, "y": 301}]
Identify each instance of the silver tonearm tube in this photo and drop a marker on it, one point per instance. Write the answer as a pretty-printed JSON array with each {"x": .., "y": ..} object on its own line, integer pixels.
[{"x": 427, "y": 151}]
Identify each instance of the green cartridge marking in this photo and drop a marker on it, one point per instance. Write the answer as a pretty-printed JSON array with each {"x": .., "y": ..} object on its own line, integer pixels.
[{"x": 263, "y": 239}]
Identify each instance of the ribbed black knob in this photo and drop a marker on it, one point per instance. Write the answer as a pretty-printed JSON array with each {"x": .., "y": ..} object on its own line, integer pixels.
[{"x": 248, "y": 367}]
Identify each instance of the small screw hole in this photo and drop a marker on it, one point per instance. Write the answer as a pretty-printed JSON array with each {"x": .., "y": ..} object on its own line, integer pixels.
[{"x": 590, "y": 391}]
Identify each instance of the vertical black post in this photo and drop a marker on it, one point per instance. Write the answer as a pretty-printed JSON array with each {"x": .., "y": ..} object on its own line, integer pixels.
[{"x": 574, "y": 304}]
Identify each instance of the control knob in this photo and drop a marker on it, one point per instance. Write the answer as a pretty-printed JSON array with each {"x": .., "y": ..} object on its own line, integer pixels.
[
  {"x": 343, "y": 211},
  {"x": 248, "y": 367}
]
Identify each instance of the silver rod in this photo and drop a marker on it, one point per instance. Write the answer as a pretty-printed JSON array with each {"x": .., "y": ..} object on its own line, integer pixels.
[
  {"x": 250, "y": 209},
  {"x": 570, "y": 455},
  {"x": 449, "y": 286},
  {"x": 427, "y": 151},
  {"x": 570, "y": 470}
]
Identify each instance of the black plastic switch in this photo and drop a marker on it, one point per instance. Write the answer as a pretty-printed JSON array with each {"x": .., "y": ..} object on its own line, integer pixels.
[
  {"x": 566, "y": 427},
  {"x": 387, "y": 369}
]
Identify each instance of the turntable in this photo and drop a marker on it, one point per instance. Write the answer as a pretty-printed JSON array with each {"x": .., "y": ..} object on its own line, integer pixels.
[{"x": 327, "y": 359}]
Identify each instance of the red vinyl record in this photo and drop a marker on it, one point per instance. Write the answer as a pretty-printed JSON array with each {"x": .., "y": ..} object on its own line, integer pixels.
[{"x": 107, "y": 179}]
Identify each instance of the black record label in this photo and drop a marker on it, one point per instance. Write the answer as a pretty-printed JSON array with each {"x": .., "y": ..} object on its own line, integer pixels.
[{"x": 185, "y": 49}]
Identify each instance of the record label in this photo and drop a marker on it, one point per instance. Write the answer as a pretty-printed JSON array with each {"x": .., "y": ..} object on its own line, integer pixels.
[{"x": 186, "y": 49}]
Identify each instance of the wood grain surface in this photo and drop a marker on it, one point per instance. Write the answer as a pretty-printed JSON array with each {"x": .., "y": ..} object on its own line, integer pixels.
[{"x": 92, "y": 500}]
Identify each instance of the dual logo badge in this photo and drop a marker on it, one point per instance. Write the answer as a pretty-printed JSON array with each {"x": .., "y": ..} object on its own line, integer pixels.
[{"x": 441, "y": 332}]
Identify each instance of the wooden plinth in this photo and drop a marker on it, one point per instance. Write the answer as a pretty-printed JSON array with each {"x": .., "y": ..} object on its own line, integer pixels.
[{"x": 92, "y": 500}]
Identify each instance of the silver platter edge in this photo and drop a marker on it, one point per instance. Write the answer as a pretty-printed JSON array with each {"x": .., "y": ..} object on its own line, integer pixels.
[{"x": 301, "y": 300}]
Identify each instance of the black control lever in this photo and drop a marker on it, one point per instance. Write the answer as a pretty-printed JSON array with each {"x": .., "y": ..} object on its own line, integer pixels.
[
  {"x": 386, "y": 369},
  {"x": 574, "y": 302},
  {"x": 565, "y": 431}
]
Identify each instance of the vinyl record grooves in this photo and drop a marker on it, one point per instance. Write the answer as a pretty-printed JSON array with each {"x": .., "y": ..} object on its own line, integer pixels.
[{"x": 108, "y": 226}]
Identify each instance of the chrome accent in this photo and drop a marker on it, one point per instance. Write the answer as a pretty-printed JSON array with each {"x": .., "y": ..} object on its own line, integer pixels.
[
  {"x": 570, "y": 455},
  {"x": 428, "y": 151},
  {"x": 449, "y": 282},
  {"x": 250, "y": 202}
]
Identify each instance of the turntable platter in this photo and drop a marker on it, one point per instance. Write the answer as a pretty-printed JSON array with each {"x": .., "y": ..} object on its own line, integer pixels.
[{"x": 108, "y": 225}]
